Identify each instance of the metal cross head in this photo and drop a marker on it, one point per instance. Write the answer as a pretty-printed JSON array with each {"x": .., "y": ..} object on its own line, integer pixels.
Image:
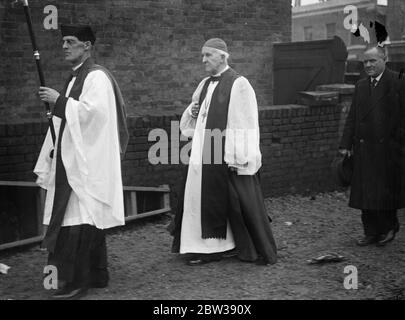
[
  {"x": 15, "y": 2},
  {"x": 204, "y": 115}
]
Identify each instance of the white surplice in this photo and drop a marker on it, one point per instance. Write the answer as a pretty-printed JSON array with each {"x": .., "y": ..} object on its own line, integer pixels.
[
  {"x": 242, "y": 151},
  {"x": 91, "y": 157}
]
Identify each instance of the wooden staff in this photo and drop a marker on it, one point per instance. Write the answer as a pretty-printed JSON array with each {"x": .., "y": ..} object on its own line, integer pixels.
[{"x": 38, "y": 63}]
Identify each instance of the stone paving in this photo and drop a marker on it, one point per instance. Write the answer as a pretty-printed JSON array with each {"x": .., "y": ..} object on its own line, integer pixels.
[{"x": 142, "y": 267}]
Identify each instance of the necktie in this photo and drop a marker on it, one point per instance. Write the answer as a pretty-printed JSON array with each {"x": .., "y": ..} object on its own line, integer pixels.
[
  {"x": 374, "y": 82},
  {"x": 214, "y": 79}
]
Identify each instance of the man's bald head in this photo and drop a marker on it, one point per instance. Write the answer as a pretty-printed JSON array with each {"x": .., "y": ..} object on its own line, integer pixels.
[{"x": 377, "y": 50}]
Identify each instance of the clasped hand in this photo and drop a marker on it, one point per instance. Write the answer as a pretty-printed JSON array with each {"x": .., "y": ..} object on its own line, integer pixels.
[
  {"x": 194, "y": 110},
  {"x": 48, "y": 94}
]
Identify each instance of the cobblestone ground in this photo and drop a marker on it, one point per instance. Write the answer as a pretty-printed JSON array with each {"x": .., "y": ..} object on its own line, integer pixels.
[{"x": 142, "y": 267}]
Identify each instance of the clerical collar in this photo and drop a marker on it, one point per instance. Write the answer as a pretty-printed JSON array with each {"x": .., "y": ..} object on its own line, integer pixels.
[
  {"x": 75, "y": 70},
  {"x": 77, "y": 67},
  {"x": 219, "y": 74}
]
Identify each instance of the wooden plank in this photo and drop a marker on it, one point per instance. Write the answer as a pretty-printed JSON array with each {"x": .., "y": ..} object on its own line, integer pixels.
[
  {"x": 39, "y": 213},
  {"x": 126, "y": 188},
  {"x": 157, "y": 189},
  {"x": 40, "y": 210},
  {"x": 134, "y": 204},
  {"x": 19, "y": 184},
  {"x": 127, "y": 203},
  {"x": 21, "y": 242},
  {"x": 147, "y": 214},
  {"x": 164, "y": 188},
  {"x": 166, "y": 199},
  {"x": 38, "y": 239},
  {"x": 130, "y": 206}
]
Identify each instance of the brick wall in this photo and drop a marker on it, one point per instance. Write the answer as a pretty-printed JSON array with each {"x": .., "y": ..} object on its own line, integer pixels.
[
  {"x": 152, "y": 47},
  {"x": 298, "y": 144}
]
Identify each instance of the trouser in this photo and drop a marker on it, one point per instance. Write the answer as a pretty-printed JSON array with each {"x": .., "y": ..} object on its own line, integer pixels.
[
  {"x": 80, "y": 256},
  {"x": 377, "y": 222}
]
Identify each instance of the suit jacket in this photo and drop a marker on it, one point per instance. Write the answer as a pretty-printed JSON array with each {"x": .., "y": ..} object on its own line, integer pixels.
[{"x": 374, "y": 130}]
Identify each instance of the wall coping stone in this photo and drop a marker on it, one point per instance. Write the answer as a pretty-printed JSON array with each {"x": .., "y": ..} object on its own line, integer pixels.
[
  {"x": 319, "y": 98},
  {"x": 139, "y": 120},
  {"x": 341, "y": 88}
]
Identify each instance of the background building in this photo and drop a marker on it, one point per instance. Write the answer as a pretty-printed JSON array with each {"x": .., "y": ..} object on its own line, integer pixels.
[
  {"x": 325, "y": 19},
  {"x": 396, "y": 19},
  {"x": 396, "y": 27}
]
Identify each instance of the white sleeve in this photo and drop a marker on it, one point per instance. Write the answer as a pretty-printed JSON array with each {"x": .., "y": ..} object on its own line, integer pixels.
[
  {"x": 92, "y": 127},
  {"x": 242, "y": 149},
  {"x": 187, "y": 122},
  {"x": 93, "y": 103},
  {"x": 43, "y": 167}
]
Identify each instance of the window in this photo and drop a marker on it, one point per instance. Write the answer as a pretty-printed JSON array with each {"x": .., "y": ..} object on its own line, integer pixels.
[
  {"x": 307, "y": 33},
  {"x": 330, "y": 30}
]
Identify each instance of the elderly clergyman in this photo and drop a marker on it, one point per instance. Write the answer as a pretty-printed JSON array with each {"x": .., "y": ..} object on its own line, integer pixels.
[
  {"x": 83, "y": 178},
  {"x": 223, "y": 210}
]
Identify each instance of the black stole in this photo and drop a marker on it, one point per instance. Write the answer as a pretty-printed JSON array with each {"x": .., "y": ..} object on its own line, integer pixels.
[
  {"x": 214, "y": 183},
  {"x": 62, "y": 187}
]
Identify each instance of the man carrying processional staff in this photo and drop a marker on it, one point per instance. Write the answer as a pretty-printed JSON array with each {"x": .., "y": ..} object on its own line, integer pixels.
[{"x": 83, "y": 177}]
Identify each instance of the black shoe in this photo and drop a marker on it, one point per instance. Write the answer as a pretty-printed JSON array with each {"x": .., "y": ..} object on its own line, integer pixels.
[
  {"x": 230, "y": 254},
  {"x": 396, "y": 228},
  {"x": 385, "y": 238},
  {"x": 367, "y": 240},
  {"x": 67, "y": 293},
  {"x": 200, "y": 261}
]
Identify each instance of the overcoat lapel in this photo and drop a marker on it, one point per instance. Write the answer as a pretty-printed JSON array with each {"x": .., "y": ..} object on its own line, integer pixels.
[
  {"x": 364, "y": 95},
  {"x": 374, "y": 95}
]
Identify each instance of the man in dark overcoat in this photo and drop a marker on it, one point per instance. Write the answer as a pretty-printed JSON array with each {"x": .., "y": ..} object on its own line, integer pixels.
[{"x": 374, "y": 134}]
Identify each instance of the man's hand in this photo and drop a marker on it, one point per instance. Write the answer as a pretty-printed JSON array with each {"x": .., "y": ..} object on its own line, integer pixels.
[
  {"x": 48, "y": 94},
  {"x": 194, "y": 110},
  {"x": 344, "y": 152}
]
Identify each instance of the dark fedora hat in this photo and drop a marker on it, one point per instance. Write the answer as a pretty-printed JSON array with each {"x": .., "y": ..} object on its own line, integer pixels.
[{"x": 342, "y": 170}]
